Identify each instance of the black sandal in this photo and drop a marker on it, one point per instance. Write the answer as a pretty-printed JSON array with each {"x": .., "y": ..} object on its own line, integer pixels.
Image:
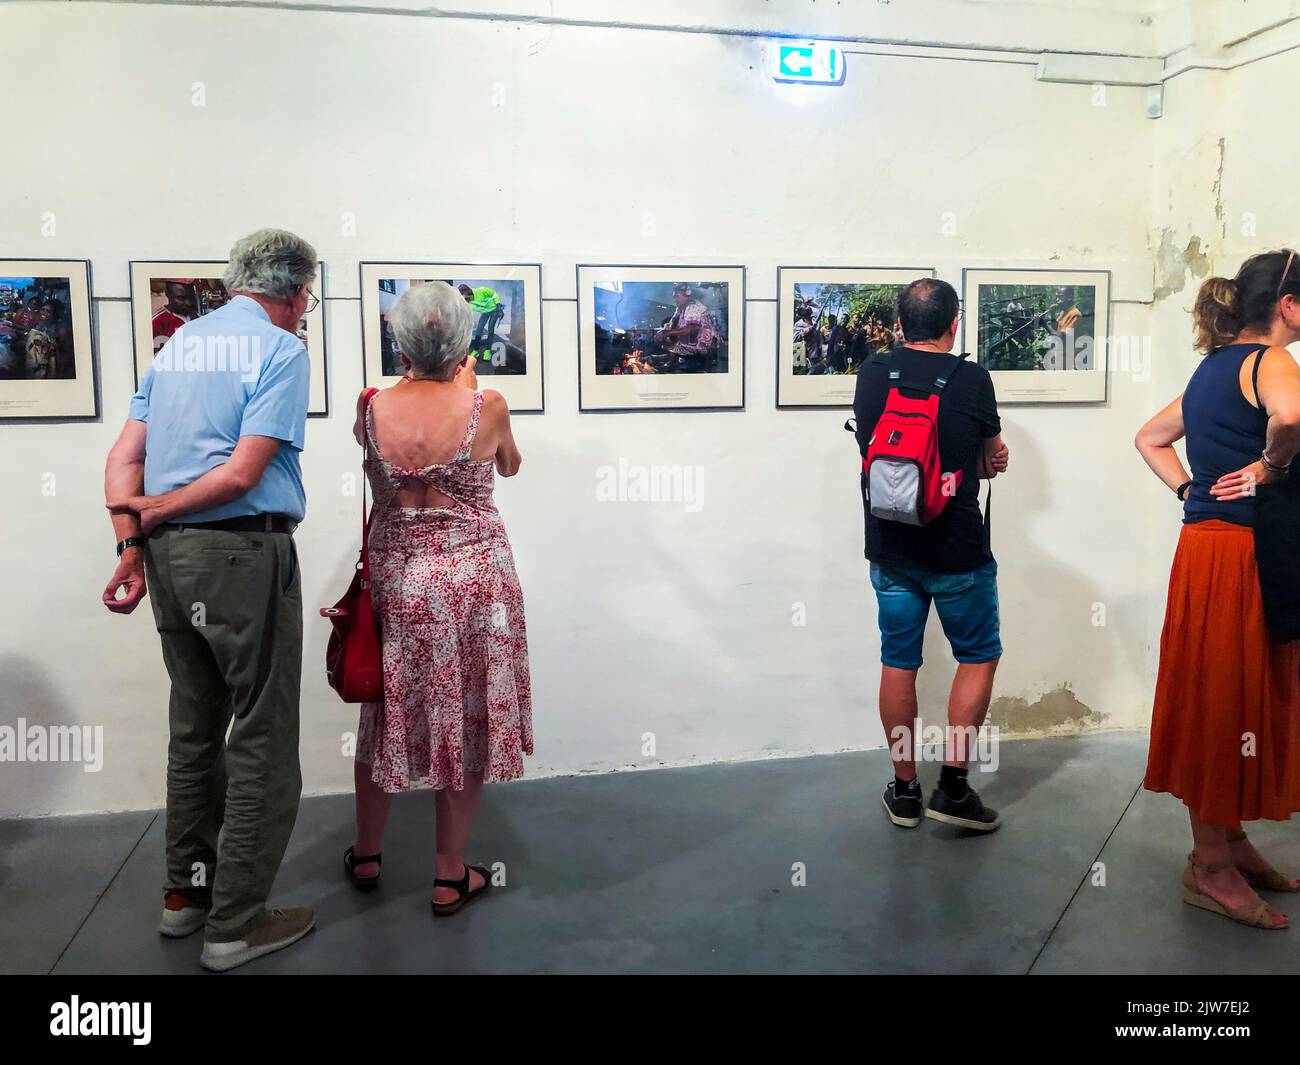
[
  {"x": 350, "y": 863},
  {"x": 446, "y": 909}
]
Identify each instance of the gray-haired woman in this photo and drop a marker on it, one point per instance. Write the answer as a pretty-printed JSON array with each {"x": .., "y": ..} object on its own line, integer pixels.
[{"x": 457, "y": 705}]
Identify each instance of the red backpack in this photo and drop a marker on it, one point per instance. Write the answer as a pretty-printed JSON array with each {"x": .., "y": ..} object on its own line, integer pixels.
[{"x": 901, "y": 473}]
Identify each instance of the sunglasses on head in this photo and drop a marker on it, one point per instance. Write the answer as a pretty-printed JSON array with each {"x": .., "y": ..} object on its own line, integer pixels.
[{"x": 1286, "y": 271}]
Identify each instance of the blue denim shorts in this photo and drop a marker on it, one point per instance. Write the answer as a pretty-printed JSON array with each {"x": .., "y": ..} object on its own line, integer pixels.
[{"x": 967, "y": 604}]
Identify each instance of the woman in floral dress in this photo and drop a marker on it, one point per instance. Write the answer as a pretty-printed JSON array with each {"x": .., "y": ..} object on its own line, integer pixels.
[{"x": 457, "y": 706}]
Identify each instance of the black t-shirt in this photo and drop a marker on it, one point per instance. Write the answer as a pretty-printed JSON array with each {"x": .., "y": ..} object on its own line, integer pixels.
[{"x": 958, "y": 540}]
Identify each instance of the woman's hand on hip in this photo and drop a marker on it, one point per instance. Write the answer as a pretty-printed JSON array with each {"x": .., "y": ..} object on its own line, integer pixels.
[{"x": 1241, "y": 484}]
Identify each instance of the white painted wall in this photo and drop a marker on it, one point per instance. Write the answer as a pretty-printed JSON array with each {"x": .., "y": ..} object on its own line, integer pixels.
[{"x": 607, "y": 145}]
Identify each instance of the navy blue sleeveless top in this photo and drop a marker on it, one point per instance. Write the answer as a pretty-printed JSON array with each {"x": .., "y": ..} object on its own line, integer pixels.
[{"x": 1224, "y": 433}]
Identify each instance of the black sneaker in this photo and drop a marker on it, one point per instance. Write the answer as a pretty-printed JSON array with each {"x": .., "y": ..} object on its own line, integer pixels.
[
  {"x": 967, "y": 812},
  {"x": 903, "y": 810}
]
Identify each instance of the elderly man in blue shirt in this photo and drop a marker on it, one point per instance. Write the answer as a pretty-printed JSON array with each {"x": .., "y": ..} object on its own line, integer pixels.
[{"x": 205, "y": 491}]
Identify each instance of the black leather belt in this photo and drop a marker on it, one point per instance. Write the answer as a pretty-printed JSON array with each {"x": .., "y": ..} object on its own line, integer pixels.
[{"x": 272, "y": 523}]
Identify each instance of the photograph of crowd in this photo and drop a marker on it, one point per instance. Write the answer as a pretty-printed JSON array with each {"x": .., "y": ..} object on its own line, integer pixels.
[
  {"x": 1036, "y": 327},
  {"x": 837, "y": 327},
  {"x": 36, "y": 335},
  {"x": 499, "y": 343},
  {"x": 661, "y": 327}
]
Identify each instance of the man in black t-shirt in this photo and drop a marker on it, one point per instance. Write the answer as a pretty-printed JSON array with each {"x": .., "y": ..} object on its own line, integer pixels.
[{"x": 947, "y": 562}]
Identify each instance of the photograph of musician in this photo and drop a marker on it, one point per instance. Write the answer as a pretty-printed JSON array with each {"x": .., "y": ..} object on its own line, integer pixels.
[
  {"x": 499, "y": 342},
  {"x": 1036, "y": 327},
  {"x": 35, "y": 329},
  {"x": 837, "y": 327},
  {"x": 647, "y": 327}
]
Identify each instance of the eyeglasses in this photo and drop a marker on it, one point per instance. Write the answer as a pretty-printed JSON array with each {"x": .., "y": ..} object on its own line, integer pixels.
[{"x": 312, "y": 302}]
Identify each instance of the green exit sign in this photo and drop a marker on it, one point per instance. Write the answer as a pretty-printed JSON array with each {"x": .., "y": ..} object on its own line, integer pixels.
[{"x": 811, "y": 62}]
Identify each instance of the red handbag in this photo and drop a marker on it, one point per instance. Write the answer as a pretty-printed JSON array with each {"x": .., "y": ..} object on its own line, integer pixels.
[{"x": 354, "y": 655}]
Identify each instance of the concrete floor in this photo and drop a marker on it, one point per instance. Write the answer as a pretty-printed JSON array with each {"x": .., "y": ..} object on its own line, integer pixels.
[{"x": 689, "y": 870}]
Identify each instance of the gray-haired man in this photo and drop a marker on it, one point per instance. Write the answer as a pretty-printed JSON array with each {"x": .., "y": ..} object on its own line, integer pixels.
[{"x": 205, "y": 491}]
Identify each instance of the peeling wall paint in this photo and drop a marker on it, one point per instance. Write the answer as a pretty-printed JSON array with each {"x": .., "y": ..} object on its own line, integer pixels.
[
  {"x": 1058, "y": 710},
  {"x": 1173, "y": 263},
  {"x": 1220, "y": 151}
]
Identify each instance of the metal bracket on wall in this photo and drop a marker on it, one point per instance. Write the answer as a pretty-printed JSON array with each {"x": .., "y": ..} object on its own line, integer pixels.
[{"x": 1104, "y": 70}]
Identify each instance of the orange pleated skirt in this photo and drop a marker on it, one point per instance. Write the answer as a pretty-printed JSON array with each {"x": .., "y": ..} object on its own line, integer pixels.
[{"x": 1226, "y": 722}]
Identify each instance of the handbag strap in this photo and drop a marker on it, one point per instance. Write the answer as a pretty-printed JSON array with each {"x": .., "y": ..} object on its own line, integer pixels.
[{"x": 365, "y": 517}]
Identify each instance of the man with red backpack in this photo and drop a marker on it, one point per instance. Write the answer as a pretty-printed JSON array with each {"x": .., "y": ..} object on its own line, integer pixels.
[{"x": 928, "y": 430}]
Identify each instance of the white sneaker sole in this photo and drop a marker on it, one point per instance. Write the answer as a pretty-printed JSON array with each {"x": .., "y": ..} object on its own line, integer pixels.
[
  {"x": 901, "y": 822},
  {"x": 963, "y": 822},
  {"x": 220, "y": 963},
  {"x": 177, "y": 924}
]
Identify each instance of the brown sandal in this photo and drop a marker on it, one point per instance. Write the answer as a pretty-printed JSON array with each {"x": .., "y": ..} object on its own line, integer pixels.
[
  {"x": 1258, "y": 917},
  {"x": 1270, "y": 879}
]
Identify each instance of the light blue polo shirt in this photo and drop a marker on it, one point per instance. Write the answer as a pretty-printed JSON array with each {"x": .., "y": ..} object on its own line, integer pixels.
[{"x": 228, "y": 374}]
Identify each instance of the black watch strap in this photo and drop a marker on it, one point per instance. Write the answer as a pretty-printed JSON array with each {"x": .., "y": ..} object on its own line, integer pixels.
[
  {"x": 1183, "y": 490},
  {"x": 130, "y": 541}
]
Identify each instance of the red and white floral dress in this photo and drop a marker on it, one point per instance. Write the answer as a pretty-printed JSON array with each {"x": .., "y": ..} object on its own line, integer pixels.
[{"x": 457, "y": 698}]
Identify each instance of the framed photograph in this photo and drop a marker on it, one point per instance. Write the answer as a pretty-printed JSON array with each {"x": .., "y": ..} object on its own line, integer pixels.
[
  {"x": 166, "y": 295},
  {"x": 661, "y": 338},
  {"x": 47, "y": 351},
  {"x": 506, "y": 302},
  {"x": 1041, "y": 334},
  {"x": 830, "y": 320}
]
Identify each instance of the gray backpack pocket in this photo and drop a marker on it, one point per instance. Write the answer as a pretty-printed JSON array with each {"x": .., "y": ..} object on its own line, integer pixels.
[{"x": 894, "y": 491}]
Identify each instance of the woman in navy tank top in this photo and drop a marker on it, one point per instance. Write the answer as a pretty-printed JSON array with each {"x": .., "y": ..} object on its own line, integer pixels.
[{"x": 1225, "y": 729}]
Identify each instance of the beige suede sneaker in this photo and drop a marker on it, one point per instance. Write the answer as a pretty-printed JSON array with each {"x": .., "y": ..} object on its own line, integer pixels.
[{"x": 275, "y": 930}]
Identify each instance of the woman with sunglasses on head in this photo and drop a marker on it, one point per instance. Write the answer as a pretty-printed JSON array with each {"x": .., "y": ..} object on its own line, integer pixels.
[
  {"x": 457, "y": 701},
  {"x": 1225, "y": 730}
]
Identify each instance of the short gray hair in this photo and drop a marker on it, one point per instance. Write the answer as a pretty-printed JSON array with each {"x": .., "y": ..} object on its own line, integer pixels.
[
  {"x": 271, "y": 262},
  {"x": 433, "y": 325}
]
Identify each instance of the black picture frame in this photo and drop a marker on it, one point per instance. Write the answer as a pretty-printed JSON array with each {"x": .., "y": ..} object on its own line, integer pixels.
[
  {"x": 92, "y": 326},
  {"x": 922, "y": 271},
  {"x": 324, "y": 319},
  {"x": 970, "y": 311},
  {"x": 683, "y": 268},
  {"x": 541, "y": 313}
]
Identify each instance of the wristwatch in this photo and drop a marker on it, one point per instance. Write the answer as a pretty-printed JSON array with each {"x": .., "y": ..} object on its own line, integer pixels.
[
  {"x": 1182, "y": 491},
  {"x": 130, "y": 541}
]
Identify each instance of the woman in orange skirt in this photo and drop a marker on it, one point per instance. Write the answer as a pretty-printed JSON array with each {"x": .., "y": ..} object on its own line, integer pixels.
[{"x": 1225, "y": 731}]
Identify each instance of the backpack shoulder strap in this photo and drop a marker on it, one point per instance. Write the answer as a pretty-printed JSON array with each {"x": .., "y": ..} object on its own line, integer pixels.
[
  {"x": 895, "y": 364},
  {"x": 940, "y": 383},
  {"x": 895, "y": 361},
  {"x": 935, "y": 386}
]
